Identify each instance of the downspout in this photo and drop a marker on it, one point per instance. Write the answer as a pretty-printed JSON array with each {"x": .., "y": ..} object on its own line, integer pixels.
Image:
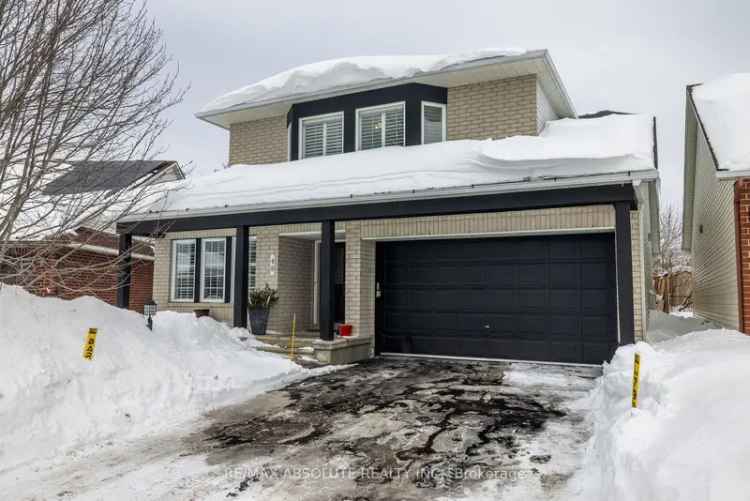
[{"x": 738, "y": 246}]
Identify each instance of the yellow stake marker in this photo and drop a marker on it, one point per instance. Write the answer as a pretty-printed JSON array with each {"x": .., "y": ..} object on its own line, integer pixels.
[
  {"x": 88, "y": 347},
  {"x": 294, "y": 331},
  {"x": 636, "y": 379}
]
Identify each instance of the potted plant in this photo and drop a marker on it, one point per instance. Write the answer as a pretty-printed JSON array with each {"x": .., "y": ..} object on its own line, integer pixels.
[{"x": 259, "y": 307}]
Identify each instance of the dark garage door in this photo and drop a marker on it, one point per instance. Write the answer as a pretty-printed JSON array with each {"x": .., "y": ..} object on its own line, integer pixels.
[{"x": 550, "y": 298}]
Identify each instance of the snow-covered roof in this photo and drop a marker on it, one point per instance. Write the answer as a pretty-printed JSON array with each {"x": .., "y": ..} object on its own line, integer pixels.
[
  {"x": 345, "y": 72},
  {"x": 724, "y": 109},
  {"x": 566, "y": 149}
]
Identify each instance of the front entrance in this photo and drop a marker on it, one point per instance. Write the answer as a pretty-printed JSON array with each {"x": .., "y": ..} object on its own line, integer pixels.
[{"x": 546, "y": 298}]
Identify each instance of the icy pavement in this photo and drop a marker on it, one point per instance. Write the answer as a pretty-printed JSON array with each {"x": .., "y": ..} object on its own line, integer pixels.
[{"x": 385, "y": 429}]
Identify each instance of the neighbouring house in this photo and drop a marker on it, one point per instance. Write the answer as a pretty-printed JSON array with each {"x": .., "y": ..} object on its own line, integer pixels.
[
  {"x": 441, "y": 205},
  {"x": 716, "y": 218},
  {"x": 83, "y": 261},
  {"x": 80, "y": 263}
]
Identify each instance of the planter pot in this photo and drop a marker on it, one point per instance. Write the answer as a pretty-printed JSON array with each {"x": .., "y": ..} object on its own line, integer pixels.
[
  {"x": 201, "y": 313},
  {"x": 258, "y": 320},
  {"x": 345, "y": 330}
]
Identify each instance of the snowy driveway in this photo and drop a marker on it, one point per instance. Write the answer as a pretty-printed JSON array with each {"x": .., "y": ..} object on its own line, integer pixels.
[
  {"x": 381, "y": 430},
  {"x": 405, "y": 429}
]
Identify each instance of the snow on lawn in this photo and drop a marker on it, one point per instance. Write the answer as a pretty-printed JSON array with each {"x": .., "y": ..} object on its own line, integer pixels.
[
  {"x": 565, "y": 148},
  {"x": 688, "y": 439},
  {"x": 343, "y": 73},
  {"x": 722, "y": 105},
  {"x": 52, "y": 399}
]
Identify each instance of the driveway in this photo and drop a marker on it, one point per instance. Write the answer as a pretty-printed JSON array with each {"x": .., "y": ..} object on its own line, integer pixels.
[
  {"x": 386, "y": 429},
  {"x": 405, "y": 429}
]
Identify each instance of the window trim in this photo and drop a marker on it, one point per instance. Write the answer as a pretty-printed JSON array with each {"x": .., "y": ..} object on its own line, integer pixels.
[
  {"x": 173, "y": 280},
  {"x": 314, "y": 119},
  {"x": 252, "y": 238},
  {"x": 203, "y": 298},
  {"x": 357, "y": 127},
  {"x": 444, "y": 127}
]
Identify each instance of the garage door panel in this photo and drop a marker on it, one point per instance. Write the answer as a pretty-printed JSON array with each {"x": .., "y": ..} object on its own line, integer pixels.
[{"x": 535, "y": 298}]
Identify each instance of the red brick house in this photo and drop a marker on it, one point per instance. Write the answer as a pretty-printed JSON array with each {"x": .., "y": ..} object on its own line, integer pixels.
[
  {"x": 716, "y": 217},
  {"x": 85, "y": 261},
  {"x": 82, "y": 263}
]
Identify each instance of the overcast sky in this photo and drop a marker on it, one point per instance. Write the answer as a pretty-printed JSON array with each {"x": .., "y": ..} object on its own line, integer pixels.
[{"x": 610, "y": 54}]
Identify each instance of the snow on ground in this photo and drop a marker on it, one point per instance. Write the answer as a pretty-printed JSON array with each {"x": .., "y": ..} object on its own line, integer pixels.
[
  {"x": 139, "y": 381},
  {"x": 343, "y": 73},
  {"x": 722, "y": 105},
  {"x": 688, "y": 439},
  {"x": 565, "y": 148},
  {"x": 662, "y": 326}
]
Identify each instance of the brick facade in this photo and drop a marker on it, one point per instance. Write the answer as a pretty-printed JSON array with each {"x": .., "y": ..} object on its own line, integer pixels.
[
  {"x": 742, "y": 210},
  {"x": 259, "y": 141},
  {"x": 494, "y": 109},
  {"x": 70, "y": 274}
]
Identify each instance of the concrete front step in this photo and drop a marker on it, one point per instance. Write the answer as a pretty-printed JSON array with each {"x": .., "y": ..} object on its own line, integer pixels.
[
  {"x": 284, "y": 350},
  {"x": 286, "y": 341}
]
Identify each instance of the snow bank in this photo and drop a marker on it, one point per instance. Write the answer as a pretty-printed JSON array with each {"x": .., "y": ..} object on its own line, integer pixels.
[
  {"x": 663, "y": 326},
  {"x": 723, "y": 106},
  {"x": 565, "y": 148},
  {"x": 688, "y": 439},
  {"x": 51, "y": 398},
  {"x": 345, "y": 72}
]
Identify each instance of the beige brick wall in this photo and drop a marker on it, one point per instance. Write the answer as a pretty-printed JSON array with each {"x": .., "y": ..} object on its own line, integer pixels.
[
  {"x": 493, "y": 109},
  {"x": 286, "y": 263},
  {"x": 258, "y": 141}
]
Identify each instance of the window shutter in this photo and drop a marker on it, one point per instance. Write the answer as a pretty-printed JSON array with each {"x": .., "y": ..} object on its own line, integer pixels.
[
  {"x": 432, "y": 124},
  {"x": 381, "y": 127},
  {"x": 324, "y": 136},
  {"x": 394, "y": 126},
  {"x": 312, "y": 142},
  {"x": 370, "y": 130}
]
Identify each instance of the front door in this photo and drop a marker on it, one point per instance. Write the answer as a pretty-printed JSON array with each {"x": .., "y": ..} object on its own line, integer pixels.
[{"x": 340, "y": 282}]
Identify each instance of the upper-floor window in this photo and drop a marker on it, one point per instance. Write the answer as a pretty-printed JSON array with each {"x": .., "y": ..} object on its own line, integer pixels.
[
  {"x": 433, "y": 122},
  {"x": 380, "y": 126},
  {"x": 322, "y": 135}
]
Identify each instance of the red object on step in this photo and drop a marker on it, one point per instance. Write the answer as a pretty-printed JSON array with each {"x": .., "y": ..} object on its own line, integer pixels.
[{"x": 345, "y": 330}]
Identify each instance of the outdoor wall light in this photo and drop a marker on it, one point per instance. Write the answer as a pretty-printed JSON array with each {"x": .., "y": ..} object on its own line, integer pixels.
[{"x": 149, "y": 310}]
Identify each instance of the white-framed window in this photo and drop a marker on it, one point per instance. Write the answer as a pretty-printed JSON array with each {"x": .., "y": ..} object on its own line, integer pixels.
[
  {"x": 213, "y": 269},
  {"x": 380, "y": 126},
  {"x": 321, "y": 135},
  {"x": 183, "y": 270},
  {"x": 433, "y": 122},
  {"x": 252, "y": 265}
]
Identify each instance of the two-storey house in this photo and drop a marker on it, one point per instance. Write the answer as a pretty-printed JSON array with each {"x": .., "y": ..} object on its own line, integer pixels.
[{"x": 441, "y": 205}]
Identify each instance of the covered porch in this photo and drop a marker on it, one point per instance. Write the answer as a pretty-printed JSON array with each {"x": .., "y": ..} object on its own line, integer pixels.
[{"x": 360, "y": 283}]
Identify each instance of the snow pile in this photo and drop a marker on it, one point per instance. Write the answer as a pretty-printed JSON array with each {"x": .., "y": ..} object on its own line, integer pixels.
[
  {"x": 723, "y": 106},
  {"x": 565, "y": 148},
  {"x": 688, "y": 439},
  {"x": 51, "y": 398},
  {"x": 343, "y": 73}
]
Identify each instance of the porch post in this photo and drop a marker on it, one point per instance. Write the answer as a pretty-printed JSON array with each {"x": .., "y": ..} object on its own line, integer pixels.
[
  {"x": 327, "y": 280},
  {"x": 623, "y": 258},
  {"x": 241, "y": 260},
  {"x": 124, "y": 267}
]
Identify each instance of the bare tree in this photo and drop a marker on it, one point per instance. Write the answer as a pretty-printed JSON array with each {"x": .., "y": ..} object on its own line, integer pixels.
[
  {"x": 79, "y": 80},
  {"x": 671, "y": 258}
]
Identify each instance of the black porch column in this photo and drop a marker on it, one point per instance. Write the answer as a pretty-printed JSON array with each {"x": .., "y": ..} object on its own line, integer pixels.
[
  {"x": 241, "y": 260},
  {"x": 124, "y": 266},
  {"x": 327, "y": 280},
  {"x": 623, "y": 258}
]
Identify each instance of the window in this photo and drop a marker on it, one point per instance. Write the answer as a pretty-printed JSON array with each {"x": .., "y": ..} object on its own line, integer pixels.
[
  {"x": 183, "y": 270},
  {"x": 433, "y": 122},
  {"x": 252, "y": 279},
  {"x": 213, "y": 266},
  {"x": 380, "y": 126},
  {"x": 322, "y": 135}
]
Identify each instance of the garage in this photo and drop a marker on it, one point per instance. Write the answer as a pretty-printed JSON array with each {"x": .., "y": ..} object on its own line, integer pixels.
[{"x": 542, "y": 298}]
